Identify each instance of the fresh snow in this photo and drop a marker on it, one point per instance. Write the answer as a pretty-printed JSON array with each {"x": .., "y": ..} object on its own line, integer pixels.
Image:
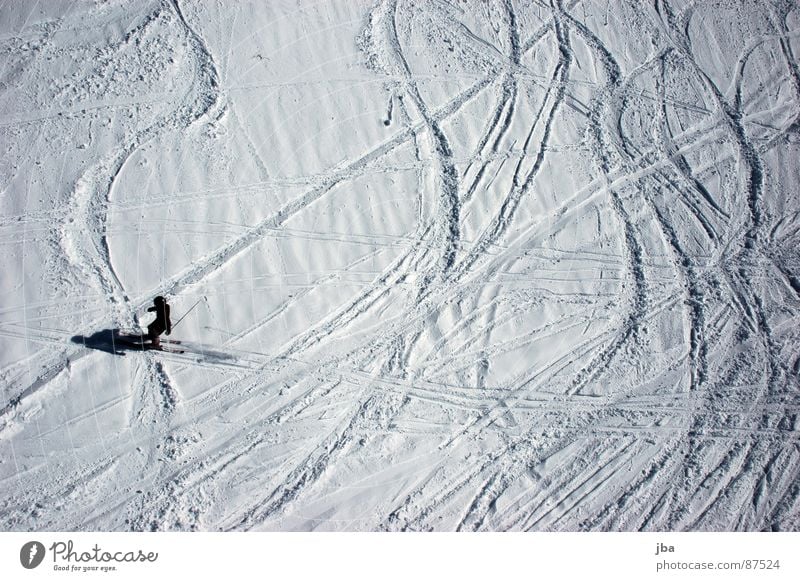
[{"x": 474, "y": 266}]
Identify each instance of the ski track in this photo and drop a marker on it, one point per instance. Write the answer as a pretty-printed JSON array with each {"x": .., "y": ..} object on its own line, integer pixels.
[{"x": 660, "y": 393}]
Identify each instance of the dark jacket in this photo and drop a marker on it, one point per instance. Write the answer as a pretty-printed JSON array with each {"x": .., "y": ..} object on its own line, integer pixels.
[{"x": 162, "y": 322}]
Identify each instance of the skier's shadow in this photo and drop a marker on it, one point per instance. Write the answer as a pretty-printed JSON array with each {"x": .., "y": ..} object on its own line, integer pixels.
[{"x": 110, "y": 341}]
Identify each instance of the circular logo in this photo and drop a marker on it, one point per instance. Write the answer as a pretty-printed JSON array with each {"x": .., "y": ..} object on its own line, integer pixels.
[{"x": 31, "y": 554}]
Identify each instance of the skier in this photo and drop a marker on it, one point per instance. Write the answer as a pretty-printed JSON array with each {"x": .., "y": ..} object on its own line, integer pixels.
[{"x": 162, "y": 322}]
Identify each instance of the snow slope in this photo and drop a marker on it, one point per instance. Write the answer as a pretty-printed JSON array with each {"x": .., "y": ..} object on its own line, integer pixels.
[{"x": 507, "y": 265}]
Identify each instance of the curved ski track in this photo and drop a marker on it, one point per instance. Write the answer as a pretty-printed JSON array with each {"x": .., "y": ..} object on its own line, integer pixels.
[{"x": 613, "y": 350}]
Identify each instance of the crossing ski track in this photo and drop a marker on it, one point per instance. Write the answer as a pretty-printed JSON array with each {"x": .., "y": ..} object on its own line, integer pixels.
[{"x": 465, "y": 266}]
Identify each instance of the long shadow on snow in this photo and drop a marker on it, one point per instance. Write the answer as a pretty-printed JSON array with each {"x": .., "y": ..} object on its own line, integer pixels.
[
  {"x": 111, "y": 341},
  {"x": 115, "y": 342}
]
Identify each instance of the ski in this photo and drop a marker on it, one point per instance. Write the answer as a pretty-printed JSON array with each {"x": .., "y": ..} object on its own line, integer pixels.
[
  {"x": 139, "y": 342},
  {"x": 149, "y": 347},
  {"x": 167, "y": 349},
  {"x": 142, "y": 339}
]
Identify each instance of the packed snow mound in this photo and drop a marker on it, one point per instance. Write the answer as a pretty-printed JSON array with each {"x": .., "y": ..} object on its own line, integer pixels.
[{"x": 471, "y": 266}]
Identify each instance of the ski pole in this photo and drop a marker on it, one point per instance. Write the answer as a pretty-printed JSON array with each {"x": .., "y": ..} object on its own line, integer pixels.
[{"x": 187, "y": 312}]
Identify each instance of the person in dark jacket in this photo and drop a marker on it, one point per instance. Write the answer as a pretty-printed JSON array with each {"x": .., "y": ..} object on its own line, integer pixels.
[{"x": 162, "y": 322}]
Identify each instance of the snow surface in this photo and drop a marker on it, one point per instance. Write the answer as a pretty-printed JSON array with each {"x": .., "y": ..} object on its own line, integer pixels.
[{"x": 520, "y": 265}]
